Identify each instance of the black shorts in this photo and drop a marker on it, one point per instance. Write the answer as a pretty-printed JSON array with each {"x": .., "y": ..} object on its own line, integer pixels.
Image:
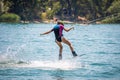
[{"x": 59, "y": 39}]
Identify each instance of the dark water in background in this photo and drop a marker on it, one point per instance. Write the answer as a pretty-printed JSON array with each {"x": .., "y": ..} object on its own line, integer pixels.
[{"x": 25, "y": 55}]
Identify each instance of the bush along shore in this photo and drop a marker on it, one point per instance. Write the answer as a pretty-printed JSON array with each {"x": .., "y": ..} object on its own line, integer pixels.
[
  {"x": 9, "y": 17},
  {"x": 14, "y": 18}
]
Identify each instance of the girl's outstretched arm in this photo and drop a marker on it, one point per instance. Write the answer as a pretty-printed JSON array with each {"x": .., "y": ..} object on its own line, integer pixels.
[
  {"x": 68, "y": 29},
  {"x": 47, "y": 32}
]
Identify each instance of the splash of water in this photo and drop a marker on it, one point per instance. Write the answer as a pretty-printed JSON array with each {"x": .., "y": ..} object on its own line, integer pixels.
[
  {"x": 9, "y": 59},
  {"x": 9, "y": 56}
]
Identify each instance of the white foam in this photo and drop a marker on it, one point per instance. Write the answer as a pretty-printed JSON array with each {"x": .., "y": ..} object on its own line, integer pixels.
[
  {"x": 65, "y": 65},
  {"x": 46, "y": 65}
]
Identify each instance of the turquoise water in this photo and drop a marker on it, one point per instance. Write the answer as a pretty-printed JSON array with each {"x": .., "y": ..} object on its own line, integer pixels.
[{"x": 25, "y": 55}]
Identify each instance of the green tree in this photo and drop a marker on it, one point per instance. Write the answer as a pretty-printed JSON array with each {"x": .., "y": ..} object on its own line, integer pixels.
[
  {"x": 27, "y": 9},
  {"x": 53, "y": 9},
  {"x": 115, "y": 7},
  {"x": 4, "y": 6},
  {"x": 114, "y": 11}
]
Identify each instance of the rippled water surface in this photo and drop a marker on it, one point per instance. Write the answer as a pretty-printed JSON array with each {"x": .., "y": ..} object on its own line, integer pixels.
[{"x": 25, "y": 55}]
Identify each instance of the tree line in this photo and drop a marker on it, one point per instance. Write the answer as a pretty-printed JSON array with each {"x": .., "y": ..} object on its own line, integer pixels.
[{"x": 31, "y": 10}]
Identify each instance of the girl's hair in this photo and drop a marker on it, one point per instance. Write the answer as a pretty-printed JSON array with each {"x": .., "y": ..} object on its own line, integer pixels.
[{"x": 60, "y": 23}]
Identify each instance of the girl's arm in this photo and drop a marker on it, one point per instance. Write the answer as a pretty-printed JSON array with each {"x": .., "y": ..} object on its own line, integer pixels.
[
  {"x": 46, "y": 32},
  {"x": 68, "y": 29}
]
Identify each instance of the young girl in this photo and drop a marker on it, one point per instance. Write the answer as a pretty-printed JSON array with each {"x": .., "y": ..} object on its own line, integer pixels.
[{"x": 58, "y": 29}]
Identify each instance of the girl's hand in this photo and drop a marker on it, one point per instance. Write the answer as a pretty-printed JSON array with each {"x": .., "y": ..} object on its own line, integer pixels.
[{"x": 41, "y": 34}]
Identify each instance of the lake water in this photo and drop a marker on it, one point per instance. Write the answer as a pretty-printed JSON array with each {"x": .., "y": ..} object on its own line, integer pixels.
[{"x": 25, "y": 55}]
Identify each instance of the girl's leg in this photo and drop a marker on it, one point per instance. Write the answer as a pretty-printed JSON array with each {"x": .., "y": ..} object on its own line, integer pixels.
[
  {"x": 68, "y": 43},
  {"x": 60, "y": 50},
  {"x": 64, "y": 40}
]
